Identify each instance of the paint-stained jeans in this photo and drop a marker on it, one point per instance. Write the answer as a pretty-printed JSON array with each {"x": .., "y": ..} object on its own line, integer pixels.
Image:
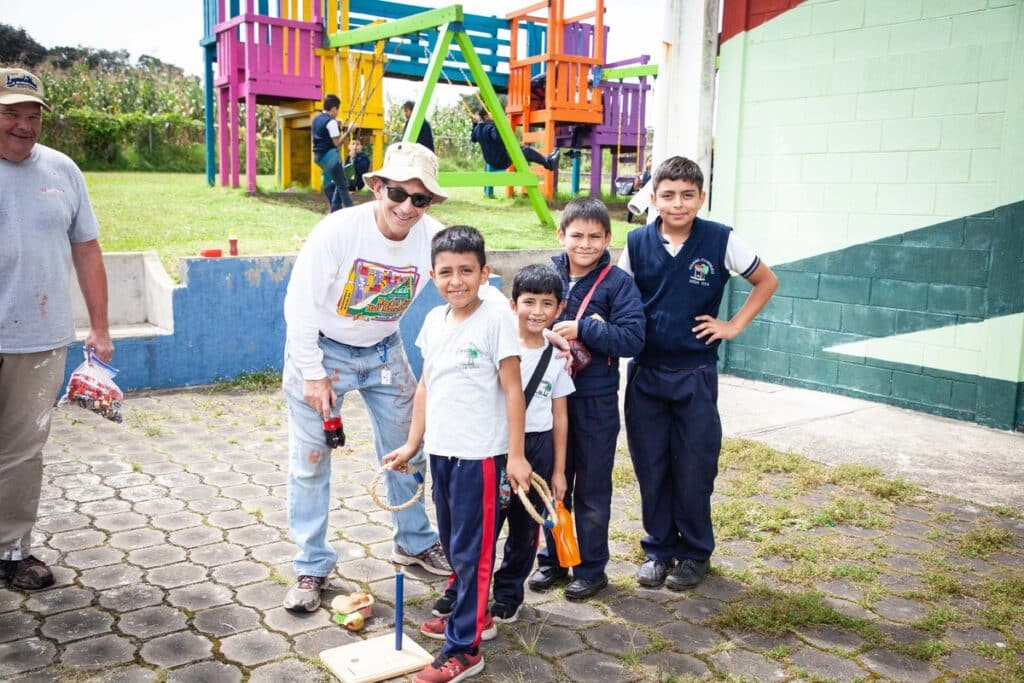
[
  {"x": 351, "y": 368},
  {"x": 29, "y": 383}
]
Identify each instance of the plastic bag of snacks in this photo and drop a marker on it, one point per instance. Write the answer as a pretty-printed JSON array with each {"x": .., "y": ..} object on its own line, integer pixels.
[{"x": 92, "y": 387}]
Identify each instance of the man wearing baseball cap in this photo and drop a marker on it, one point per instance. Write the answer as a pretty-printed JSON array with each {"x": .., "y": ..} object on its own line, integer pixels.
[
  {"x": 48, "y": 227},
  {"x": 353, "y": 280}
]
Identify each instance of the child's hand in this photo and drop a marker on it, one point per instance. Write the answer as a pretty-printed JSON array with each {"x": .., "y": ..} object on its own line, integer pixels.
[
  {"x": 559, "y": 485},
  {"x": 712, "y": 329},
  {"x": 567, "y": 329},
  {"x": 396, "y": 459},
  {"x": 518, "y": 472},
  {"x": 558, "y": 341}
]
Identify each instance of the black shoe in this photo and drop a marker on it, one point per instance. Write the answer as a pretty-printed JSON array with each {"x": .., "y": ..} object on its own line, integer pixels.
[
  {"x": 546, "y": 577},
  {"x": 504, "y": 612},
  {"x": 688, "y": 574},
  {"x": 552, "y": 160},
  {"x": 582, "y": 589},
  {"x": 445, "y": 603},
  {"x": 652, "y": 573}
]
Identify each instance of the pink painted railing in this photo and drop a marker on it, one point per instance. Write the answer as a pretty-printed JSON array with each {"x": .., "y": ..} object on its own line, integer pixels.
[{"x": 270, "y": 56}]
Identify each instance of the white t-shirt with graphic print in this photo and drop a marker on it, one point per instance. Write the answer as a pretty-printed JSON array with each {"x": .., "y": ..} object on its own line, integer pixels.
[
  {"x": 554, "y": 383},
  {"x": 466, "y": 415}
]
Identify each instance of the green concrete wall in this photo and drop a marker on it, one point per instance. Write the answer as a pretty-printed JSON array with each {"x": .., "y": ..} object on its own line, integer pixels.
[{"x": 871, "y": 152}]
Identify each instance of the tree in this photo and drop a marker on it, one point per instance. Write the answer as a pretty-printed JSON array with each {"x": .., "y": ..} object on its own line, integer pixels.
[{"x": 18, "y": 47}]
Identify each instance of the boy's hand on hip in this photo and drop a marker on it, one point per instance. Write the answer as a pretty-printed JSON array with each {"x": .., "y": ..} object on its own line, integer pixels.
[
  {"x": 319, "y": 394},
  {"x": 519, "y": 472},
  {"x": 712, "y": 329}
]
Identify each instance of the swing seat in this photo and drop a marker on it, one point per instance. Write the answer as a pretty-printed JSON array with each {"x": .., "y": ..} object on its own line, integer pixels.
[{"x": 624, "y": 185}]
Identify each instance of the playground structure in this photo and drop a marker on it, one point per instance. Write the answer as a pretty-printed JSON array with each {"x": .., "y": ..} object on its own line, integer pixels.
[{"x": 291, "y": 55}]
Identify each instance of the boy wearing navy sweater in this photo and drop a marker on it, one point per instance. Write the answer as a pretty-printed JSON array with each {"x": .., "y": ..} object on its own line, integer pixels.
[
  {"x": 611, "y": 325},
  {"x": 681, "y": 264}
]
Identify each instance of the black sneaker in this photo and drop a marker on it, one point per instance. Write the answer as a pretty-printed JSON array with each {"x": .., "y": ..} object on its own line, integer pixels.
[
  {"x": 546, "y": 577},
  {"x": 652, "y": 573},
  {"x": 504, "y": 613},
  {"x": 552, "y": 160},
  {"x": 688, "y": 574},
  {"x": 444, "y": 605}
]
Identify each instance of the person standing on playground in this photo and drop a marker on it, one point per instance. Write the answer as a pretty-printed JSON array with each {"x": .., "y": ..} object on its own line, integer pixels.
[
  {"x": 327, "y": 137},
  {"x": 49, "y": 227},
  {"x": 426, "y": 136},
  {"x": 354, "y": 278}
]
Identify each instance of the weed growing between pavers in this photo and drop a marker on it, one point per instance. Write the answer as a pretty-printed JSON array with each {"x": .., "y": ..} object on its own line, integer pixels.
[
  {"x": 984, "y": 540},
  {"x": 258, "y": 380}
]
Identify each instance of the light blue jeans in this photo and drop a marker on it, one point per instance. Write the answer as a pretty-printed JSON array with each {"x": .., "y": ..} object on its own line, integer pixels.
[{"x": 352, "y": 368}]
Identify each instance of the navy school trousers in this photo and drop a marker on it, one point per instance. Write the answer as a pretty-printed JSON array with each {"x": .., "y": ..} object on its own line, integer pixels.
[
  {"x": 523, "y": 531},
  {"x": 467, "y": 498},
  {"x": 589, "y": 458},
  {"x": 675, "y": 436}
]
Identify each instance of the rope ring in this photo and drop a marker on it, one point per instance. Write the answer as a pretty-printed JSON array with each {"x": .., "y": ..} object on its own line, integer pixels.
[
  {"x": 538, "y": 483},
  {"x": 383, "y": 504}
]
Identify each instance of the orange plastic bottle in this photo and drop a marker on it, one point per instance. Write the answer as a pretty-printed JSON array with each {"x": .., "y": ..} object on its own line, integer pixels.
[{"x": 565, "y": 537}]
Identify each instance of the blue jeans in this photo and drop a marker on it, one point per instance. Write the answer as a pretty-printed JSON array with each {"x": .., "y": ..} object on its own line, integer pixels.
[
  {"x": 332, "y": 167},
  {"x": 352, "y": 368}
]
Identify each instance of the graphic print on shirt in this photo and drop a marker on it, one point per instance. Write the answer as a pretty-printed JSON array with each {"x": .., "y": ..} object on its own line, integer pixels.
[
  {"x": 376, "y": 291},
  {"x": 468, "y": 355},
  {"x": 700, "y": 269}
]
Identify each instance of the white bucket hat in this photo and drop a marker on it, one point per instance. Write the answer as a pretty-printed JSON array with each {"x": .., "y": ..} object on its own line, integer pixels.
[{"x": 411, "y": 161}]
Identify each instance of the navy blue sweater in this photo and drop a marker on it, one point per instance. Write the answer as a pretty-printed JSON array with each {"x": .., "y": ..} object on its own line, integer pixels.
[
  {"x": 322, "y": 142},
  {"x": 621, "y": 334},
  {"x": 491, "y": 146},
  {"x": 676, "y": 289}
]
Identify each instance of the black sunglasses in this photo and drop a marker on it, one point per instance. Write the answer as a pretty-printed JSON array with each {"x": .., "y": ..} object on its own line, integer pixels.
[{"x": 398, "y": 195}]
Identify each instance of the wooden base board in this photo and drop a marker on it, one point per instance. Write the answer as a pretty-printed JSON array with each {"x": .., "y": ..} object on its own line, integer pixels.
[{"x": 375, "y": 659}]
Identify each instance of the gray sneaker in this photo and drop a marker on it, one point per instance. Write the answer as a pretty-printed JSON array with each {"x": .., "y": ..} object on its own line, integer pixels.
[
  {"x": 432, "y": 559},
  {"x": 304, "y": 595}
]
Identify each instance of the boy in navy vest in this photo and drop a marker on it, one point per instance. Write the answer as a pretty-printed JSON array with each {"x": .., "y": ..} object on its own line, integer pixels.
[
  {"x": 681, "y": 264},
  {"x": 611, "y": 326},
  {"x": 327, "y": 136}
]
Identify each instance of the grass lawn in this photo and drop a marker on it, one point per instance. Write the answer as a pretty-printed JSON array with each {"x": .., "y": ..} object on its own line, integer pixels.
[{"x": 177, "y": 215}]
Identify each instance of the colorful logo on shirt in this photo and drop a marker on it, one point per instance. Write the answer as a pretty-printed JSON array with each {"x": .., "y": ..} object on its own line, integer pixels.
[
  {"x": 700, "y": 270},
  {"x": 376, "y": 291},
  {"x": 468, "y": 356},
  {"x": 544, "y": 388}
]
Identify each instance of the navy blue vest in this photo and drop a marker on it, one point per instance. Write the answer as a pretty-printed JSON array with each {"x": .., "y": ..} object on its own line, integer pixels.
[
  {"x": 675, "y": 290},
  {"x": 322, "y": 142}
]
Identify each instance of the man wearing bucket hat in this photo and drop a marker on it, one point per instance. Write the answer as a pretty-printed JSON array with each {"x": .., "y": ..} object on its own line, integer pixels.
[
  {"x": 48, "y": 227},
  {"x": 354, "y": 278}
]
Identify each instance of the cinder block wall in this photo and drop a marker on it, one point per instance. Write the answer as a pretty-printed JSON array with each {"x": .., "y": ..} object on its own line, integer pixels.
[{"x": 871, "y": 151}]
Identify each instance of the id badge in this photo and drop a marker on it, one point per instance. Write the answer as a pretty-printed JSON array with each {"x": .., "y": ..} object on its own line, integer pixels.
[{"x": 385, "y": 376}]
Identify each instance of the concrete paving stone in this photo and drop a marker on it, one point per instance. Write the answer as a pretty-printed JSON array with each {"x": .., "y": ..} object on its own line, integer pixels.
[
  {"x": 231, "y": 519},
  {"x": 121, "y": 521},
  {"x": 850, "y": 609},
  {"x": 312, "y": 644},
  {"x": 901, "y": 633},
  {"x": 253, "y": 466},
  {"x": 912, "y": 513},
  {"x": 277, "y": 519},
  {"x": 226, "y": 621},
  {"x": 156, "y": 556},
  {"x": 132, "y": 674},
  {"x": 76, "y": 540},
  {"x": 177, "y": 520},
  {"x": 261, "y": 595},
  {"x": 254, "y": 535},
  {"x": 10, "y": 599},
  {"x": 128, "y": 480},
  {"x": 343, "y": 518},
  {"x": 63, "y": 522},
  {"x": 617, "y": 639},
  {"x": 572, "y": 614},
  {"x": 76, "y": 481},
  {"x": 195, "y": 492},
  {"x": 666, "y": 665},
  {"x": 825, "y": 666},
  {"x": 696, "y": 608},
  {"x": 960, "y": 660},
  {"x": 1008, "y": 560},
  {"x": 151, "y": 621},
  {"x": 352, "y": 551},
  {"x": 721, "y": 588},
  {"x": 974, "y": 634},
  {"x": 547, "y": 640},
  {"x": 973, "y": 565},
  {"x": 196, "y": 536},
  {"x": 108, "y": 469},
  {"x": 60, "y": 469},
  {"x": 832, "y": 637},
  {"x": 637, "y": 610},
  {"x": 99, "y": 652},
  {"x": 208, "y": 466},
  {"x": 276, "y": 553},
  {"x": 594, "y": 666},
  {"x": 240, "y": 573},
  {"x": 132, "y": 596},
  {"x": 509, "y": 666},
  {"x": 148, "y": 493},
  {"x": 199, "y": 596},
  {"x": 688, "y": 637},
  {"x": 180, "y": 478},
  {"x": 900, "y": 609},
  {"x": 841, "y": 588},
  {"x": 752, "y": 640},
  {"x": 205, "y": 672},
  {"x": 75, "y": 625},
  {"x": 288, "y": 670},
  {"x": 225, "y": 478},
  {"x": 58, "y": 600},
  {"x": 159, "y": 508},
  {"x": 110, "y": 576},
  {"x": 43, "y": 676},
  {"x": 217, "y": 554},
  {"x": 25, "y": 655},
  {"x": 747, "y": 665},
  {"x": 254, "y": 647},
  {"x": 176, "y": 649},
  {"x": 137, "y": 538},
  {"x": 206, "y": 506},
  {"x": 902, "y": 583},
  {"x": 365, "y": 533},
  {"x": 17, "y": 625},
  {"x": 103, "y": 508},
  {"x": 899, "y": 667},
  {"x": 174, "y": 575},
  {"x": 291, "y": 623},
  {"x": 161, "y": 467},
  {"x": 86, "y": 494},
  {"x": 56, "y": 506},
  {"x": 904, "y": 563},
  {"x": 276, "y": 478},
  {"x": 244, "y": 492},
  {"x": 906, "y": 544}
]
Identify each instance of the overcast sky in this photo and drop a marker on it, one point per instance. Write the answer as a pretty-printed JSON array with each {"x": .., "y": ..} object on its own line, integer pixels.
[{"x": 170, "y": 29}]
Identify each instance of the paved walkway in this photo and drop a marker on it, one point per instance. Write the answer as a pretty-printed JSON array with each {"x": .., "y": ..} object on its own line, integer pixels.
[{"x": 169, "y": 543}]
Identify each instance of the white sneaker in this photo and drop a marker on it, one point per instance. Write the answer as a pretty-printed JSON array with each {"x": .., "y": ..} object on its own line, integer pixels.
[
  {"x": 432, "y": 559},
  {"x": 304, "y": 595}
]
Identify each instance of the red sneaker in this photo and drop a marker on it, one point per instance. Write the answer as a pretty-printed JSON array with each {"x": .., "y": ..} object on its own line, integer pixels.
[
  {"x": 434, "y": 628},
  {"x": 458, "y": 667}
]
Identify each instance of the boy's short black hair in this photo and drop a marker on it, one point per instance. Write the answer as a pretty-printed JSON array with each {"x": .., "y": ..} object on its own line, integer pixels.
[
  {"x": 481, "y": 112},
  {"x": 459, "y": 239},
  {"x": 409, "y": 104},
  {"x": 537, "y": 279},
  {"x": 589, "y": 209},
  {"x": 679, "y": 168},
  {"x": 331, "y": 101}
]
